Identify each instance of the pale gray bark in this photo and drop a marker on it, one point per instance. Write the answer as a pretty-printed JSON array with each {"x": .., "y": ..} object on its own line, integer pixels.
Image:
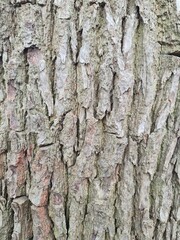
[{"x": 89, "y": 120}]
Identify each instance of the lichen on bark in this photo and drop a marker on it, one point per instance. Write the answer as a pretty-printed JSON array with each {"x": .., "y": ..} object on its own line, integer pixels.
[{"x": 89, "y": 120}]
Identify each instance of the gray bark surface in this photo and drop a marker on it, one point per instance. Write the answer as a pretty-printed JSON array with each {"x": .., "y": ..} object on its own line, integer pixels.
[{"x": 89, "y": 120}]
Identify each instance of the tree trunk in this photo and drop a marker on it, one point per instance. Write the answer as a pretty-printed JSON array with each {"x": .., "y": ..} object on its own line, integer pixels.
[{"x": 89, "y": 120}]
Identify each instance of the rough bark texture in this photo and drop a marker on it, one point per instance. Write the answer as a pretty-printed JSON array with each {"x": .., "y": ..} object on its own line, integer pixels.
[{"x": 89, "y": 119}]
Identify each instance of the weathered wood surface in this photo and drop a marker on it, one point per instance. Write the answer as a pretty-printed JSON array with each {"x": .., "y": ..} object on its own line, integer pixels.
[{"x": 89, "y": 120}]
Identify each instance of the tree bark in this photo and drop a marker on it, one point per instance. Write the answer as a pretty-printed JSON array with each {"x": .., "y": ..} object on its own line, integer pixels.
[{"x": 89, "y": 120}]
